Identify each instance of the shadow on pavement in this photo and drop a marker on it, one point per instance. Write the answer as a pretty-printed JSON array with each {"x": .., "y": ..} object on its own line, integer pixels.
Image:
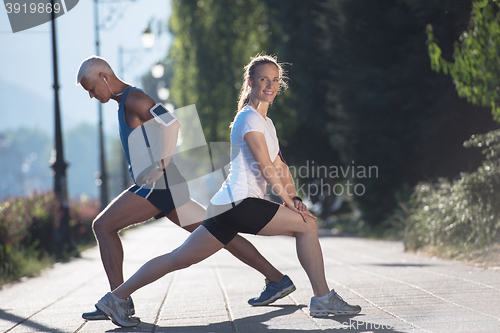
[
  {"x": 327, "y": 233},
  {"x": 19, "y": 321},
  {"x": 401, "y": 265},
  {"x": 257, "y": 324}
]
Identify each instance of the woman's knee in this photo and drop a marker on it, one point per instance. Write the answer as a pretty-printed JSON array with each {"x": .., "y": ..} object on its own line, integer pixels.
[
  {"x": 309, "y": 226},
  {"x": 312, "y": 224},
  {"x": 181, "y": 261},
  {"x": 181, "y": 264}
]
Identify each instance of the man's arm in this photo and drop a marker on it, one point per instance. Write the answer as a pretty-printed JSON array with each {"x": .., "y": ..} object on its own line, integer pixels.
[
  {"x": 162, "y": 139},
  {"x": 137, "y": 108}
]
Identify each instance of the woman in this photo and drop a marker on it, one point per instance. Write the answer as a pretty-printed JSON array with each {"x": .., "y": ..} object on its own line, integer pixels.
[{"x": 239, "y": 205}]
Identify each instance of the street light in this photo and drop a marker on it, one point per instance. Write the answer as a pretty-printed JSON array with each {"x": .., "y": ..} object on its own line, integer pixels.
[
  {"x": 148, "y": 38},
  {"x": 102, "y": 179},
  {"x": 61, "y": 233},
  {"x": 147, "y": 41},
  {"x": 158, "y": 70},
  {"x": 162, "y": 91}
]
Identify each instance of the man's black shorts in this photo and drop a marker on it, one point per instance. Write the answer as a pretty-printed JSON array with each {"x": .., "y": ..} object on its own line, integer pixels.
[{"x": 162, "y": 198}]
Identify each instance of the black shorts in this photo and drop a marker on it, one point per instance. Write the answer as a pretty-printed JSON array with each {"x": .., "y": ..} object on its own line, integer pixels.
[
  {"x": 162, "y": 198},
  {"x": 248, "y": 216}
]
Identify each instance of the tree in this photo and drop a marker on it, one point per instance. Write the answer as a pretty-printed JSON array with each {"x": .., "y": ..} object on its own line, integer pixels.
[
  {"x": 389, "y": 108},
  {"x": 25, "y": 154},
  {"x": 475, "y": 68},
  {"x": 462, "y": 215},
  {"x": 213, "y": 41},
  {"x": 361, "y": 91}
]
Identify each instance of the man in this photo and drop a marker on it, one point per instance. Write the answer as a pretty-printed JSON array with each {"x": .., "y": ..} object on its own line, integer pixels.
[{"x": 150, "y": 196}]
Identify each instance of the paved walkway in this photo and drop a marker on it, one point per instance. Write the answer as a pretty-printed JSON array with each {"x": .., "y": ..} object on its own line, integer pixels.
[{"x": 399, "y": 292}]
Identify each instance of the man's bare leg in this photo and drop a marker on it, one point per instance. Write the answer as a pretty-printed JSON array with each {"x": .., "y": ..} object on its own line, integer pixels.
[
  {"x": 128, "y": 209},
  {"x": 125, "y": 210}
]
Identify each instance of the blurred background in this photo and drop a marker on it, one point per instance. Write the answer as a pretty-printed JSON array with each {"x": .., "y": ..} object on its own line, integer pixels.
[{"x": 362, "y": 93}]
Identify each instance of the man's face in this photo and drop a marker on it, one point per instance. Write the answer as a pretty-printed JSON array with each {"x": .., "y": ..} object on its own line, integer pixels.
[{"x": 97, "y": 89}]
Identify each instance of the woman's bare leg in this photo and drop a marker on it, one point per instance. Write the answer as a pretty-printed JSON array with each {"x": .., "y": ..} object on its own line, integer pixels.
[
  {"x": 188, "y": 216},
  {"x": 200, "y": 245},
  {"x": 305, "y": 230}
]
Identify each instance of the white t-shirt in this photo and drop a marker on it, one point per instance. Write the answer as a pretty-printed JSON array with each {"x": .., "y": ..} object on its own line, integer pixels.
[{"x": 245, "y": 178}]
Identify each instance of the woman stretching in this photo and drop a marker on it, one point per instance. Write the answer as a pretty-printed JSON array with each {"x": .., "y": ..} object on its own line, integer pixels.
[{"x": 239, "y": 205}]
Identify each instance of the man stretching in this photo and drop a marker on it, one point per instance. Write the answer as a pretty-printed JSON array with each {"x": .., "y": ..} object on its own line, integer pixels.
[{"x": 150, "y": 195}]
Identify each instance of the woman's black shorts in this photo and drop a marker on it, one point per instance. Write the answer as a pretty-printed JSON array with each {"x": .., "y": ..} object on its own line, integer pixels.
[{"x": 249, "y": 216}]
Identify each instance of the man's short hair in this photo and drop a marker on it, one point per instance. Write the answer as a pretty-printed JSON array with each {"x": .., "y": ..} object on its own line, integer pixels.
[{"x": 91, "y": 67}]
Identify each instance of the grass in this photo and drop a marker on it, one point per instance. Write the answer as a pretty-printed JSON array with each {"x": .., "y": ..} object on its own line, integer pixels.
[
  {"x": 460, "y": 218},
  {"x": 26, "y": 233}
]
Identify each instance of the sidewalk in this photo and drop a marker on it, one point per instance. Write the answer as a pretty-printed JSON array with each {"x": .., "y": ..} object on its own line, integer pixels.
[{"x": 398, "y": 292}]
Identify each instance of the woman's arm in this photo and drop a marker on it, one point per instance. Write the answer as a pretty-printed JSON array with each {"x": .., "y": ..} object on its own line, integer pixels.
[
  {"x": 287, "y": 180},
  {"x": 257, "y": 144}
]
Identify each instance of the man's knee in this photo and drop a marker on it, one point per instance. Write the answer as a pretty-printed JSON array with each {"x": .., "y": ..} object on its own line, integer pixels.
[
  {"x": 97, "y": 226},
  {"x": 102, "y": 226}
]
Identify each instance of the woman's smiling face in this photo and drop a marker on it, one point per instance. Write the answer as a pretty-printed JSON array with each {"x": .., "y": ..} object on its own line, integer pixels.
[{"x": 265, "y": 83}]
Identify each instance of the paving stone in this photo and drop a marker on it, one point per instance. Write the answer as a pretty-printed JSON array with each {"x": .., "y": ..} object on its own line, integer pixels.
[{"x": 398, "y": 291}]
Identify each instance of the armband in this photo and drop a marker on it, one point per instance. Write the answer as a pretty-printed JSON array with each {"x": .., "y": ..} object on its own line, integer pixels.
[
  {"x": 296, "y": 198},
  {"x": 162, "y": 115}
]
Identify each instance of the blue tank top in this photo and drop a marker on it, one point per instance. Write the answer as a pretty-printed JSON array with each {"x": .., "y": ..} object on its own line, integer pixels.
[{"x": 125, "y": 130}]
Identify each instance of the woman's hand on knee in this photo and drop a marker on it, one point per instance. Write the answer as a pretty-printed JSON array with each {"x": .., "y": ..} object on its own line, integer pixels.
[
  {"x": 307, "y": 214},
  {"x": 304, "y": 213}
]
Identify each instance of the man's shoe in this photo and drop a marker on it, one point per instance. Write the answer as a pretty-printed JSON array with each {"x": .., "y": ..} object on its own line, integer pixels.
[
  {"x": 98, "y": 315},
  {"x": 130, "y": 307},
  {"x": 117, "y": 310},
  {"x": 273, "y": 291},
  {"x": 334, "y": 305},
  {"x": 94, "y": 315}
]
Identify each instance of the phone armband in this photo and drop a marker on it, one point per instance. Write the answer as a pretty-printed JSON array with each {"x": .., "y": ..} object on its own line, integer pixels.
[{"x": 162, "y": 115}]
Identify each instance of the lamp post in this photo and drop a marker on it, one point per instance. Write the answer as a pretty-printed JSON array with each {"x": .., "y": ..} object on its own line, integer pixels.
[
  {"x": 102, "y": 180},
  {"x": 147, "y": 41},
  {"x": 61, "y": 234}
]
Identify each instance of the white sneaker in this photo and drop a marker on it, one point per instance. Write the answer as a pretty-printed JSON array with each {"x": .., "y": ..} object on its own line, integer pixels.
[
  {"x": 98, "y": 315},
  {"x": 117, "y": 310},
  {"x": 334, "y": 305}
]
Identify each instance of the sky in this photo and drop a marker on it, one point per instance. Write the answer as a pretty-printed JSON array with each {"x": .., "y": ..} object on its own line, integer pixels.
[{"x": 26, "y": 73}]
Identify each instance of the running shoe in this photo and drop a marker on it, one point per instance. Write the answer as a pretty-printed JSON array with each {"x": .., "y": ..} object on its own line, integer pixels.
[
  {"x": 273, "y": 291},
  {"x": 94, "y": 315},
  {"x": 334, "y": 305},
  {"x": 117, "y": 310},
  {"x": 98, "y": 315}
]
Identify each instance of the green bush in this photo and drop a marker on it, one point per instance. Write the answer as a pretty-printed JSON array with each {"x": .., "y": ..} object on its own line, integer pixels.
[
  {"x": 459, "y": 215},
  {"x": 26, "y": 232}
]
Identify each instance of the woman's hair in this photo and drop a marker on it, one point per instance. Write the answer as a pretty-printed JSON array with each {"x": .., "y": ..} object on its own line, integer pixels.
[{"x": 259, "y": 59}]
